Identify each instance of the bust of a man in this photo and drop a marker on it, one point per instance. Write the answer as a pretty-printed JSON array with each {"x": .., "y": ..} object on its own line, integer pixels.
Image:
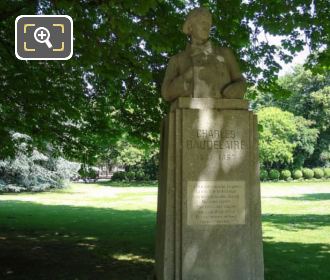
[{"x": 202, "y": 69}]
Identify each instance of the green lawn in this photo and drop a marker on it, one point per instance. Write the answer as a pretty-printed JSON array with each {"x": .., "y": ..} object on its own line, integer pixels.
[{"x": 106, "y": 231}]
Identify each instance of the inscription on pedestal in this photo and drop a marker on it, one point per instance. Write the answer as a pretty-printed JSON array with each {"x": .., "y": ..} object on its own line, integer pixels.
[
  {"x": 216, "y": 202},
  {"x": 227, "y": 143}
]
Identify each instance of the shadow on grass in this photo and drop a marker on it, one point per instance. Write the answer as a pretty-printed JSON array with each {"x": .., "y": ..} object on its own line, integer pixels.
[
  {"x": 128, "y": 184},
  {"x": 67, "y": 242},
  {"x": 308, "y": 197},
  {"x": 284, "y": 261},
  {"x": 296, "y": 222}
]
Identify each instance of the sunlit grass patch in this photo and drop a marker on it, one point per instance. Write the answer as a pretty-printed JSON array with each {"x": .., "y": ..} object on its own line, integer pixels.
[
  {"x": 92, "y": 195},
  {"x": 101, "y": 231}
]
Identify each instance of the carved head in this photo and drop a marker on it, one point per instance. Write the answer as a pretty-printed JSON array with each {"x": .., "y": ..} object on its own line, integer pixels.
[{"x": 198, "y": 24}]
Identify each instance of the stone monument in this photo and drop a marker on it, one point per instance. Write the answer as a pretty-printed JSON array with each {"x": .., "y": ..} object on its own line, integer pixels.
[{"x": 209, "y": 218}]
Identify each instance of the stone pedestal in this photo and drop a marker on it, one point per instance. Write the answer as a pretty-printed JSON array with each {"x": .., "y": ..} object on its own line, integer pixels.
[{"x": 209, "y": 218}]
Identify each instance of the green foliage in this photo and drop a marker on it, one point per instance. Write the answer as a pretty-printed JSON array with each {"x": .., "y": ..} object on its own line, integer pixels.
[
  {"x": 274, "y": 174},
  {"x": 31, "y": 170},
  {"x": 306, "y": 140},
  {"x": 309, "y": 98},
  {"x": 130, "y": 176},
  {"x": 88, "y": 172},
  {"x": 111, "y": 84},
  {"x": 151, "y": 166},
  {"x": 286, "y": 140},
  {"x": 276, "y": 139},
  {"x": 129, "y": 155},
  {"x": 326, "y": 172},
  {"x": 119, "y": 176},
  {"x": 297, "y": 174},
  {"x": 141, "y": 176},
  {"x": 308, "y": 173},
  {"x": 263, "y": 175},
  {"x": 285, "y": 174},
  {"x": 318, "y": 173},
  {"x": 140, "y": 162}
]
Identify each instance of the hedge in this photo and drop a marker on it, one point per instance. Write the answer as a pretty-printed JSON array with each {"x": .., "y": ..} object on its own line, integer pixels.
[
  {"x": 297, "y": 174},
  {"x": 274, "y": 174},
  {"x": 326, "y": 172},
  {"x": 285, "y": 174},
  {"x": 119, "y": 176},
  {"x": 263, "y": 175},
  {"x": 130, "y": 176},
  {"x": 318, "y": 173},
  {"x": 308, "y": 173}
]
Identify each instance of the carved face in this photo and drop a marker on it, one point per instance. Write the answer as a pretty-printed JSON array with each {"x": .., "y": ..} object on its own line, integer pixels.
[{"x": 200, "y": 29}]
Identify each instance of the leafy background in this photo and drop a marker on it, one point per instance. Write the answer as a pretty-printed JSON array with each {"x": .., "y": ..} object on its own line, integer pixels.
[{"x": 111, "y": 85}]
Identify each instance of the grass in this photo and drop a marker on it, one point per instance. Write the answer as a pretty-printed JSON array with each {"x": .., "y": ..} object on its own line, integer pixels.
[
  {"x": 296, "y": 230},
  {"x": 107, "y": 231}
]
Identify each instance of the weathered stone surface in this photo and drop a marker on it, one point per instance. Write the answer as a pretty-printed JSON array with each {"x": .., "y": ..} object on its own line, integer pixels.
[
  {"x": 209, "y": 103},
  {"x": 208, "y": 224},
  {"x": 215, "y": 203},
  {"x": 208, "y": 219},
  {"x": 202, "y": 70}
]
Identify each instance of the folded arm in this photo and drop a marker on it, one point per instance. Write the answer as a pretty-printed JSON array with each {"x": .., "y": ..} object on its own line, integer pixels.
[
  {"x": 237, "y": 87},
  {"x": 176, "y": 84}
]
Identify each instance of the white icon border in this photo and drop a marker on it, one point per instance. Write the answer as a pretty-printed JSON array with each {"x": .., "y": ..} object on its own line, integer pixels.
[{"x": 47, "y": 58}]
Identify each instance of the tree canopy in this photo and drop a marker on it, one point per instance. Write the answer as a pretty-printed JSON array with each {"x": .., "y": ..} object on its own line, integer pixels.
[
  {"x": 285, "y": 140},
  {"x": 111, "y": 84},
  {"x": 310, "y": 99}
]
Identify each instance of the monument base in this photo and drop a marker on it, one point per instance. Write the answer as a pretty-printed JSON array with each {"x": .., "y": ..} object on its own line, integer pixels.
[{"x": 209, "y": 217}]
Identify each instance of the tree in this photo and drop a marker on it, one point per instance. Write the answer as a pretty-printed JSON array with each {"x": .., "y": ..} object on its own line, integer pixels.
[
  {"x": 321, "y": 100},
  {"x": 309, "y": 98},
  {"x": 276, "y": 137},
  {"x": 285, "y": 140},
  {"x": 306, "y": 140},
  {"x": 112, "y": 83},
  {"x": 31, "y": 170}
]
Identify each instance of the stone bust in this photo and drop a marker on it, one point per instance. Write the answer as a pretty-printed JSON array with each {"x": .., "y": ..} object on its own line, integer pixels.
[{"x": 202, "y": 69}]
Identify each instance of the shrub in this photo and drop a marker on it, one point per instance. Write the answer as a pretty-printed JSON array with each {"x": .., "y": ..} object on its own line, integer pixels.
[
  {"x": 263, "y": 175},
  {"x": 135, "y": 158},
  {"x": 151, "y": 166},
  {"x": 139, "y": 175},
  {"x": 308, "y": 173},
  {"x": 130, "y": 175},
  {"x": 67, "y": 169},
  {"x": 31, "y": 170},
  {"x": 274, "y": 174},
  {"x": 119, "y": 176},
  {"x": 318, "y": 173},
  {"x": 89, "y": 173},
  {"x": 35, "y": 172},
  {"x": 297, "y": 174},
  {"x": 285, "y": 174},
  {"x": 326, "y": 172}
]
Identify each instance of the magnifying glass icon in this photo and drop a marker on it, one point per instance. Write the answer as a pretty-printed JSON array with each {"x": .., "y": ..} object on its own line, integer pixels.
[{"x": 41, "y": 35}]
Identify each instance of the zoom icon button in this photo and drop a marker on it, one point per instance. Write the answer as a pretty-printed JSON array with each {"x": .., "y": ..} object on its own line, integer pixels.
[{"x": 43, "y": 37}]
